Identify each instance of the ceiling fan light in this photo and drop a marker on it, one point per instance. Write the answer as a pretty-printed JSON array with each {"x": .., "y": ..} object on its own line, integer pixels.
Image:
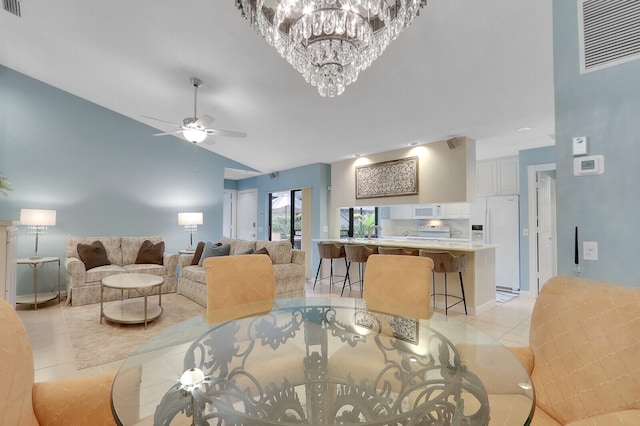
[{"x": 194, "y": 135}]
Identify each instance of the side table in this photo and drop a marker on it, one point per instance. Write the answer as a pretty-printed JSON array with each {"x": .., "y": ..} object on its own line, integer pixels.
[{"x": 37, "y": 263}]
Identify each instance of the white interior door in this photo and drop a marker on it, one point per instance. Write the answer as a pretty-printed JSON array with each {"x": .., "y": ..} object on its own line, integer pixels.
[
  {"x": 247, "y": 214},
  {"x": 229, "y": 213},
  {"x": 541, "y": 186},
  {"x": 546, "y": 235}
]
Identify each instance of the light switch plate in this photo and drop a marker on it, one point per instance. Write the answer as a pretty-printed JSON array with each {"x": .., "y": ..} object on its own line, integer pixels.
[{"x": 590, "y": 250}]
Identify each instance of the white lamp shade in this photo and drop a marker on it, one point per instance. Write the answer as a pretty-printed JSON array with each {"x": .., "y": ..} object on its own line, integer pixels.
[
  {"x": 37, "y": 217},
  {"x": 190, "y": 218},
  {"x": 194, "y": 135}
]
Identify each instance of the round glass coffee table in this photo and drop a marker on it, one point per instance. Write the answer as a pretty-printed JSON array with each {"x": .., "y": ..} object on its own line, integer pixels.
[
  {"x": 131, "y": 311},
  {"x": 323, "y": 361}
]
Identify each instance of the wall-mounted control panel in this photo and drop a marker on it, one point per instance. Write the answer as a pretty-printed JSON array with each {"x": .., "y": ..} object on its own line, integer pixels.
[
  {"x": 590, "y": 165},
  {"x": 580, "y": 145}
]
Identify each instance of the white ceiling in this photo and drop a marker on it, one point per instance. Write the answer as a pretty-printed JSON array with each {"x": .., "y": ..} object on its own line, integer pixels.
[{"x": 480, "y": 69}]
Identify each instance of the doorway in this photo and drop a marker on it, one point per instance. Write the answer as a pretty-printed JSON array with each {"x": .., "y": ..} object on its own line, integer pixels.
[
  {"x": 229, "y": 213},
  {"x": 247, "y": 214},
  {"x": 542, "y": 225},
  {"x": 285, "y": 217}
]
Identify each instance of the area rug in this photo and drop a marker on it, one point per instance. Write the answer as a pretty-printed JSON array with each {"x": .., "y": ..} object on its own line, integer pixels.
[
  {"x": 95, "y": 344},
  {"x": 504, "y": 297}
]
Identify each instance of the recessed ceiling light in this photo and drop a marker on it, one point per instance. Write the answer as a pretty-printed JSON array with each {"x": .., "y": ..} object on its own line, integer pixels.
[
  {"x": 413, "y": 144},
  {"x": 356, "y": 155},
  {"x": 524, "y": 129}
]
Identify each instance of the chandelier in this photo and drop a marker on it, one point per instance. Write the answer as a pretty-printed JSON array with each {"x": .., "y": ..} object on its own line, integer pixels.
[{"x": 330, "y": 41}]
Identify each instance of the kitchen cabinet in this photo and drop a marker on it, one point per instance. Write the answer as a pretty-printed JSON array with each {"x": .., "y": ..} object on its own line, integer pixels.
[
  {"x": 497, "y": 177},
  {"x": 404, "y": 211},
  {"x": 456, "y": 211}
]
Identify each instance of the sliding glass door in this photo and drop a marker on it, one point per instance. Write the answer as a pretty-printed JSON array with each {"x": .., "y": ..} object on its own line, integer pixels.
[{"x": 285, "y": 217}]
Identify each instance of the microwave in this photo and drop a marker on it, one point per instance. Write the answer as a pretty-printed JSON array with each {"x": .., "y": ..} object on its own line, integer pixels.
[{"x": 428, "y": 211}]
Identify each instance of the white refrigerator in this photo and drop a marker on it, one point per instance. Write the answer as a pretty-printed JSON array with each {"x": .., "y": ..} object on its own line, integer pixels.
[{"x": 499, "y": 216}]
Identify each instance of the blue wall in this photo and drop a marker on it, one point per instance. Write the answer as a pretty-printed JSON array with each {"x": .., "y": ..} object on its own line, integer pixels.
[
  {"x": 604, "y": 106},
  {"x": 526, "y": 158},
  {"x": 104, "y": 173},
  {"x": 316, "y": 176}
]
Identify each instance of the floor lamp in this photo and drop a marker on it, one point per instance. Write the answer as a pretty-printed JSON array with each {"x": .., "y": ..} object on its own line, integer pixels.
[
  {"x": 37, "y": 222},
  {"x": 190, "y": 221}
]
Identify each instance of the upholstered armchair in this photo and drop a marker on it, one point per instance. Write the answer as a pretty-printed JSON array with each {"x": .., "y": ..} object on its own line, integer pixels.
[
  {"x": 584, "y": 353},
  {"x": 82, "y": 401}
]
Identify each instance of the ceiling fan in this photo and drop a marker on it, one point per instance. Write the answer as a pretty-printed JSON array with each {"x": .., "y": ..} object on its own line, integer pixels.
[{"x": 196, "y": 129}]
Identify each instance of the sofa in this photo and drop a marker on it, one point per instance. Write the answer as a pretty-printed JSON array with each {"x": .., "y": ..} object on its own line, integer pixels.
[
  {"x": 83, "y": 284},
  {"x": 584, "y": 353},
  {"x": 288, "y": 267}
]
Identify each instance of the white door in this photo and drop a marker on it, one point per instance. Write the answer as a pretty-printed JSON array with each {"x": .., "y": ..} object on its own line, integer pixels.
[
  {"x": 247, "y": 214},
  {"x": 546, "y": 207},
  {"x": 229, "y": 213}
]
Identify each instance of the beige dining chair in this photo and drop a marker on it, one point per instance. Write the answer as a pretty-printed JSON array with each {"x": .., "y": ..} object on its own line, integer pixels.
[
  {"x": 242, "y": 286},
  {"x": 394, "y": 286},
  {"x": 239, "y": 286},
  {"x": 78, "y": 401},
  {"x": 398, "y": 284}
]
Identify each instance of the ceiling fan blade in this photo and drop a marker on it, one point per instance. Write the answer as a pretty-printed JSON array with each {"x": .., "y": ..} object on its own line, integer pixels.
[
  {"x": 229, "y": 133},
  {"x": 168, "y": 133},
  {"x": 163, "y": 121},
  {"x": 205, "y": 121}
]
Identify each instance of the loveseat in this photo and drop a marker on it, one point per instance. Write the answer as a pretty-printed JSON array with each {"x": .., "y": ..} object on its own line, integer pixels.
[
  {"x": 584, "y": 353},
  {"x": 288, "y": 267},
  {"x": 83, "y": 284}
]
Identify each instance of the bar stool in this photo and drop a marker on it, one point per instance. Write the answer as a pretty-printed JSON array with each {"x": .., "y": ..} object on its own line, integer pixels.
[
  {"x": 330, "y": 251},
  {"x": 358, "y": 253},
  {"x": 444, "y": 263},
  {"x": 391, "y": 250},
  {"x": 398, "y": 251}
]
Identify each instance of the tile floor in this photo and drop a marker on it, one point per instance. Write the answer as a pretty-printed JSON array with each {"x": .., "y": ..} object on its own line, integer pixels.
[{"x": 53, "y": 357}]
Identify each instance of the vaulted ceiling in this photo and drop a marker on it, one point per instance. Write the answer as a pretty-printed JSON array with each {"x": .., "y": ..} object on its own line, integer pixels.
[{"x": 481, "y": 69}]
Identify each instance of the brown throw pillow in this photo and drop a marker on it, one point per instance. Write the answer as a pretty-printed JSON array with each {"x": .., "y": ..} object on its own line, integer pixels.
[
  {"x": 150, "y": 253},
  {"x": 198, "y": 254},
  {"x": 263, "y": 250},
  {"x": 93, "y": 255}
]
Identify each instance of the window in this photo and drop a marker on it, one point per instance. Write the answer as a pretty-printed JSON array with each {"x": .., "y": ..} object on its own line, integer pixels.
[{"x": 356, "y": 221}]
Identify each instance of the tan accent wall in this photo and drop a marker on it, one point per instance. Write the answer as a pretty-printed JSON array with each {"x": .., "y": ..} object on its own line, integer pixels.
[{"x": 445, "y": 176}]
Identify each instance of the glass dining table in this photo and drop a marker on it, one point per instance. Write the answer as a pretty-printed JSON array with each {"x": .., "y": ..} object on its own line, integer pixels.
[{"x": 321, "y": 361}]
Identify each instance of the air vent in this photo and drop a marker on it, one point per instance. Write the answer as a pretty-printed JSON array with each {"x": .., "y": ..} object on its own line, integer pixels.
[
  {"x": 609, "y": 32},
  {"x": 12, "y": 6}
]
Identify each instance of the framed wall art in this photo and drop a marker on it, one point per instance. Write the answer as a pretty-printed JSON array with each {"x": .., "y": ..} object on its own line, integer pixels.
[{"x": 387, "y": 179}]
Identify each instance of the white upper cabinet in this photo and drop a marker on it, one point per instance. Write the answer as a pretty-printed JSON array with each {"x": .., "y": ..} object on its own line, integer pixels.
[
  {"x": 456, "y": 211},
  {"x": 497, "y": 177},
  {"x": 404, "y": 211}
]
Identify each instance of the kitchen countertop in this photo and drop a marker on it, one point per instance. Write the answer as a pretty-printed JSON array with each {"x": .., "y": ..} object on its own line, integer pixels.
[{"x": 413, "y": 242}]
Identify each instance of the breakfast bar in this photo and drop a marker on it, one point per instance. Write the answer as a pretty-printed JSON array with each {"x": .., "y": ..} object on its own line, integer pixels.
[{"x": 479, "y": 275}]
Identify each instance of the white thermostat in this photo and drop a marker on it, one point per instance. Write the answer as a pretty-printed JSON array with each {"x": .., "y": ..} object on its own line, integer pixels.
[
  {"x": 591, "y": 165},
  {"x": 580, "y": 145}
]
